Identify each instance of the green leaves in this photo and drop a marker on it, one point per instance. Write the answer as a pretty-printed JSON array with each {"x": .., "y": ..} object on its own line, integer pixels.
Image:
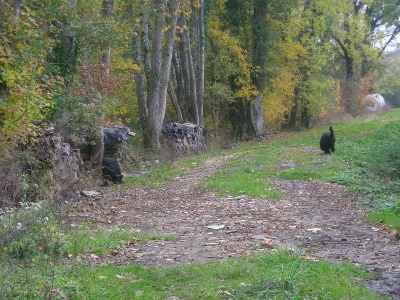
[{"x": 25, "y": 44}]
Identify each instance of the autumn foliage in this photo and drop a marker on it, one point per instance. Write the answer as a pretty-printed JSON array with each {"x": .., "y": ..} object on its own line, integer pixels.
[{"x": 140, "y": 63}]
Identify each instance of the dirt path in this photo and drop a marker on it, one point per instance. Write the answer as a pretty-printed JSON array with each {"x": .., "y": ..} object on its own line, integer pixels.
[{"x": 315, "y": 218}]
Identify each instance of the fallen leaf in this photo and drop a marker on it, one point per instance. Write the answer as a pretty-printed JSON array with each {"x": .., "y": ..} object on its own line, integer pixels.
[
  {"x": 133, "y": 241},
  {"x": 268, "y": 245}
]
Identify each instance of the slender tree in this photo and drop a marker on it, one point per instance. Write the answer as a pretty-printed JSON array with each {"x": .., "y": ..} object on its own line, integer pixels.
[
  {"x": 107, "y": 8},
  {"x": 260, "y": 51},
  {"x": 154, "y": 57},
  {"x": 186, "y": 88}
]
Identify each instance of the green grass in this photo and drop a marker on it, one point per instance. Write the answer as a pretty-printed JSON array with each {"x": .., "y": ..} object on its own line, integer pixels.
[
  {"x": 153, "y": 178},
  {"x": 367, "y": 160},
  {"x": 158, "y": 175},
  {"x": 280, "y": 275},
  {"x": 31, "y": 269},
  {"x": 100, "y": 241},
  {"x": 243, "y": 179},
  {"x": 389, "y": 216}
]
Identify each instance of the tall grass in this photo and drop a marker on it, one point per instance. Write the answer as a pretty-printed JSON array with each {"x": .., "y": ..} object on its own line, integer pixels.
[{"x": 280, "y": 275}]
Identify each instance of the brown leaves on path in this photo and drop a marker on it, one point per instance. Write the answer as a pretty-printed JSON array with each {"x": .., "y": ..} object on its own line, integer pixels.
[{"x": 317, "y": 219}]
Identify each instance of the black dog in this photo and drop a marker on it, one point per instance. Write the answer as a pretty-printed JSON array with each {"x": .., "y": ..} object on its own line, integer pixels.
[
  {"x": 327, "y": 141},
  {"x": 111, "y": 170}
]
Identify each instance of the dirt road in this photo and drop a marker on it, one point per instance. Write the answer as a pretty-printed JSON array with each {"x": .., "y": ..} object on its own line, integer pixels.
[{"x": 315, "y": 218}]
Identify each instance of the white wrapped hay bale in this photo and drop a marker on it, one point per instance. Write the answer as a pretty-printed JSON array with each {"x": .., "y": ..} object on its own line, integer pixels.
[{"x": 374, "y": 102}]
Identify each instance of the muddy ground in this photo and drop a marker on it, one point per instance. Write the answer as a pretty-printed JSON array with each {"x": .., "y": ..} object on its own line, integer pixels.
[{"x": 317, "y": 219}]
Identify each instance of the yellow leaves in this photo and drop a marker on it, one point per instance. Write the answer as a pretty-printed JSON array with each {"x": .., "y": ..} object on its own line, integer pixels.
[
  {"x": 40, "y": 70},
  {"x": 196, "y": 4},
  {"x": 247, "y": 89},
  {"x": 279, "y": 100},
  {"x": 4, "y": 52},
  {"x": 123, "y": 65},
  {"x": 233, "y": 58},
  {"x": 292, "y": 50},
  {"x": 25, "y": 101}
]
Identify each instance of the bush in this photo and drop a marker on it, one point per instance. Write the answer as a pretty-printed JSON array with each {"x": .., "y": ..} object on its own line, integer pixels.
[
  {"x": 14, "y": 179},
  {"x": 27, "y": 231}
]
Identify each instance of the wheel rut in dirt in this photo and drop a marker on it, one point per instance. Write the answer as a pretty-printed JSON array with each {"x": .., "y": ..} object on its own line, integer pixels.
[{"x": 317, "y": 219}]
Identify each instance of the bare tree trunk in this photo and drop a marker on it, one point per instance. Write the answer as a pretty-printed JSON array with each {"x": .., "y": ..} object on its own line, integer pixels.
[
  {"x": 259, "y": 59},
  {"x": 153, "y": 85},
  {"x": 155, "y": 66},
  {"x": 140, "y": 87},
  {"x": 96, "y": 152},
  {"x": 167, "y": 60},
  {"x": 193, "y": 85},
  {"x": 185, "y": 69},
  {"x": 189, "y": 64},
  {"x": 256, "y": 115},
  {"x": 178, "y": 85},
  {"x": 160, "y": 71},
  {"x": 140, "y": 56},
  {"x": 202, "y": 42},
  {"x": 17, "y": 8},
  {"x": 175, "y": 102},
  {"x": 146, "y": 46},
  {"x": 107, "y": 8}
]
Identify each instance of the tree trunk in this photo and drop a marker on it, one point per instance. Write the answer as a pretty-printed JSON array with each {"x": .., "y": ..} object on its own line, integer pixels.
[
  {"x": 167, "y": 60},
  {"x": 260, "y": 31},
  {"x": 160, "y": 71},
  {"x": 185, "y": 69},
  {"x": 140, "y": 56},
  {"x": 153, "y": 85},
  {"x": 175, "y": 102},
  {"x": 188, "y": 64},
  {"x": 256, "y": 115},
  {"x": 178, "y": 85},
  {"x": 140, "y": 88},
  {"x": 192, "y": 85},
  {"x": 96, "y": 153},
  {"x": 17, "y": 8},
  {"x": 107, "y": 8},
  {"x": 200, "y": 77}
]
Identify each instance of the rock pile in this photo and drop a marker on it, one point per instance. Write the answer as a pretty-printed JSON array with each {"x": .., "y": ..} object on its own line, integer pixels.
[{"x": 184, "y": 137}]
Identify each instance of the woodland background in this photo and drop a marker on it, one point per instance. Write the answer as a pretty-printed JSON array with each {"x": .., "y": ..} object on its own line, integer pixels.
[{"x": 238, "y": 68}]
